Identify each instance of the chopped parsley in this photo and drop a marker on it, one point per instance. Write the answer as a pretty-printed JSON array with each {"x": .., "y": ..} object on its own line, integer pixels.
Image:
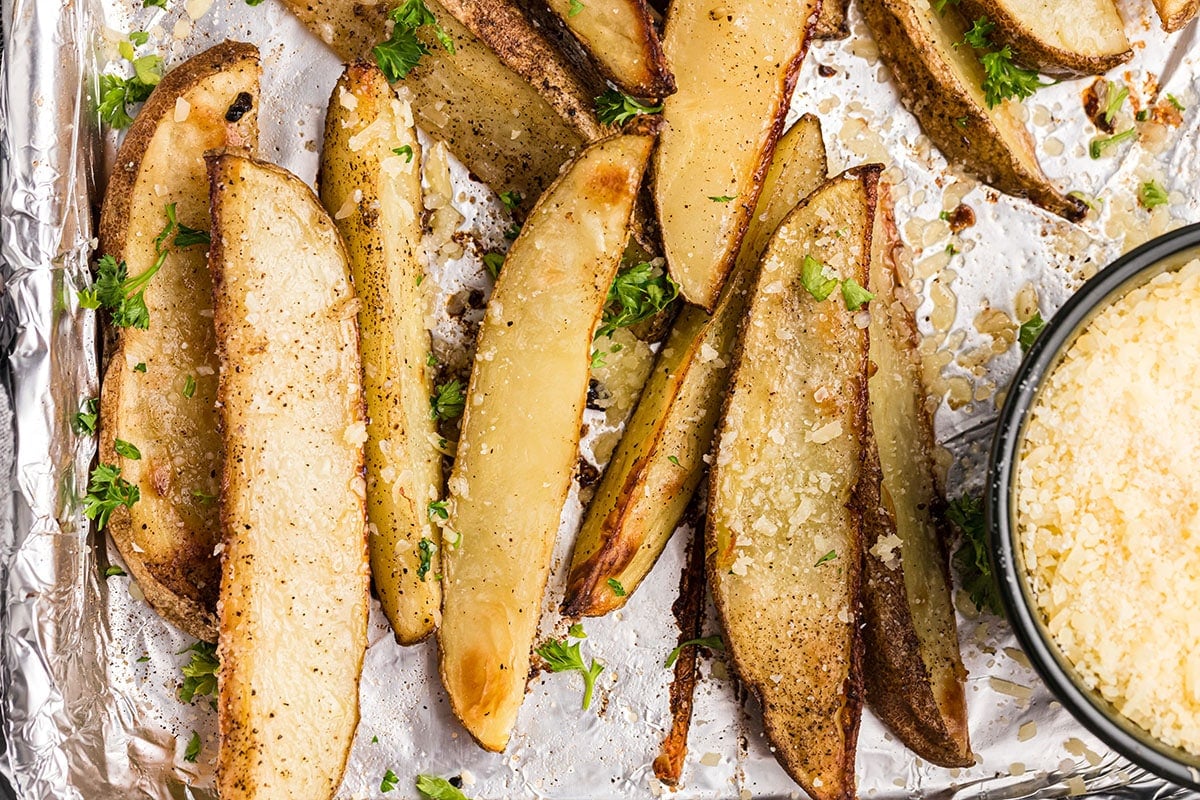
[
  {"x": 830, "y": 556},
  {"x": 512, "y": 231},
  {"x": 616, "y": 108},
  {"x": 140, "y": 367},
  {"x": 1030, "y": 330},
  {"x": 723, "y": 198},
  {"x": 154, "y": 3},
  {"x": 84, "y": 422},
  {"x": 493, "y": 262},
  {"x": 425, "y": 553},
  {"x": 1116, "y": 94},
  {"x": 711, "y": 642},
  {"x": 106, "y": 492},
  {"x": 389, "y": 782},
  {"x": 1098, "y": 146},
  {"x": 1002, "y": 78},
  {"x": 636, "y": 295},
  {"x": 127, "y": 450},
  {"x": 438, "y": 510},
  {"x": 940, "y": 5},
  {"x": 203, "y": 497},
  {"x": 855, "y": 296},
  {"x": 511, "y": 200},
  {"x": 431, "y": 360},
  {"x": 1091, "y": 202},
  {"x": 675, "y": 460},
  {"x": 616, "y": 587},
  {"x": 814, "y": 279},
  {"x": 193, "y": 745},
  {"x": 405, "y": 151},
  {"x": 437, "y": 788},
  {"x": 115, "y": 572},
  {"x": 200, "y": 673},
  {"x": 1174, "y": 101},
  {"x": 118, "y": 93},
  {"x": 402, "y": 51},
  {"x": 576, "y": 631},
  {"x": 971, "y": 559},
  {"x": 575, "y": 9},
  {"x": 561, "y": 657},
  {"x": 448, "y": 401},
  {"x": 598, "y": 360},
  {"x": 1151, "y": 195},
  {"x": 189, "y": 387}
]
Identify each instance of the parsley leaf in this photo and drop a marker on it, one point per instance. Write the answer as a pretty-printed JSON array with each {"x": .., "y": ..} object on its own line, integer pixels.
[
  {"x": 436, "y": 788},
  {"x": 511, "y": 200},
  {"x": 189, "y": 387},
  {"x": 1030, "y": 330},
  {"x": 971, "y": 559},
  {"x": 1151, "y": 195},
  {"x": 140, "y": 367},
  {"x": 723, "y": 198},
  {"x": 448, "y": 401},
  {"x": 1116, "y": 94},
  {"x": 616, "y": 587},
  {"x": 405, "y": 151},
  {"x": 200, "y": 673},
  {"x": 493, "y": 262},
  {"x": 106, "y": 492},
  {"x": 711, "y": 642},
  {"x": 127, "y": 450},
  {"x": 814, "y": 281},
  {"x": 193, "y": 749},
  {"x": 1002, "y": 78},
  {"x": 598, "y": 360},
  {"x": 575, "y": 8},
  {"x": 154, "y": 3},
  {"x": 512, "y": 231},
  {"x": 855, "y": 296},
  {"x": 425, "y": 553},
  {"x": 438, "y": 510},
  {"x": 390, "y": 779},
  {"x": 576, "y": 631},
  {"x": 830, "y": 556},
  {"x": 616, "y": 108},
  {"x": 118, "y": 93},
  {"x": 636, "y": 295},
  {"x": 403, "y": 50},
  {"x": 115, "y": 572},
  {"x": 561, "y": 657},
  {"x": 1098, "y": 146},
  {"x": 1173, "y": 100},
  {"x": 84, "y": 421}
]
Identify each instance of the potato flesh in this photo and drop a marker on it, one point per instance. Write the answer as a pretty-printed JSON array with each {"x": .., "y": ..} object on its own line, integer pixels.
[
  {"x": 293, "y": 611},
  {"x": 374, "y": 195},
  {"x": 660, "y": 459},
  {"x": 620, "y": 37},
  {"x": 167, "y": 539},
  {"x": 743, "y": 56},
  {"x": 520, "y": 431},
  {"x": 784, "y": 543},
  {"x": 1090, "y": 26}
]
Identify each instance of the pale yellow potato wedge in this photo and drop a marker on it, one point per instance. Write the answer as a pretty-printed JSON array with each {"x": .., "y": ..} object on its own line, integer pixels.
[
  {"x": 832, "y": 22},
  {"x": 1066, "y": 39},
  {"x": 622, "y": 41},
  {"x": 520, "y": 431},
  {"x": 913, "y": 668},
  {"x": 168, "y": 537},
  {"x": 942, "y": 85},
  {"x": 370, "y": 182},
  {"x": 735, "y": 69},
  {"x": 491, "y": 117},
  {"x": 294, "y": 583},
  {"x": 1176, "y": 13},
  {"x": 784, "y": 542},
  {"x": 659, "y": 461}
]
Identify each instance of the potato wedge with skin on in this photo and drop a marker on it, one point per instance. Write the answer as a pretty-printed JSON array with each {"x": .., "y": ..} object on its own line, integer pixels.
[
  {"x": 520, "y": 430},
  {"x": 622, "y": 41},
  {"x": 913, "y": 668},
  {"x": 167, "y": 539},
  {"x": 659, "y": 461},
  {"x": 942, "y": 85},
  {"x": 784, "y": 542},
  {"x": 1176, "y": 13},
  {"x": 294, "y": 584},
  {"x": 370, "y": 181},
  {"x": 832, "y": 22},
  {"x": 735, "y": 72},
  {"x": 1064, "y": 39}
]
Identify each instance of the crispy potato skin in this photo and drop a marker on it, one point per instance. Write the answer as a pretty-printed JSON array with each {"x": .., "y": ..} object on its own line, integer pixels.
[
  {"x": 659, "y": 461},
  {"x": 521, "y": 427},
  {"x": 294, "y": 585},
  {"x": 1176, "y": 13},
  {"x": 832, "y": 22},
  {"x": 1035, "y": 48},
  {"x": 941, "y": 86},
  {"x": 788, "y": 607},
  {"x": 167, "y": 539},
  {"x": 620, "y": 38}
]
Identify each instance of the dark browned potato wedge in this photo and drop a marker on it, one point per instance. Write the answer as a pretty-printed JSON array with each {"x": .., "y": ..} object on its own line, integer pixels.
[
  {"x": 913, "y": 668},
  {"x": 832, "y": 22},
  {"x": 942, "y": 86},
  {"x": 784, "y": 542},
  {"x": 620, "y": 38},
  {"x": 491, "y": 117},
  {"x": 735, "y": 68},
  {"x": 1176, "y": 13},
  {"x": 1065, "y": 39},
  {"x": 294, "y": 582},
  {"x": 167, "y": 539},
  {"x": 659, "y": 461}
]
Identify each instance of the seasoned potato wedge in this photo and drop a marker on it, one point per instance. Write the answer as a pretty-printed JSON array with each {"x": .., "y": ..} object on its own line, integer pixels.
[
  {"x": 913, "y": 669},
  {"x": 370, "y": 182},
  {"x": 1067, "y": 39},
  {"x": 620, "y": 38},
  {"x": 294, "y": 583},
  {"x": 784, "y": 543},
  {"x": 167, "y": 539},
  {"x": 659, "y": 461},
  {"x": 490, "y": 116},
  {"x": 520, "y": 432},
  {"x": 832, "y": 22},
  {"x": 1176, "y": 13},
  {"x": 710, "y": 162},
  {"x": 942, "y": 85}
]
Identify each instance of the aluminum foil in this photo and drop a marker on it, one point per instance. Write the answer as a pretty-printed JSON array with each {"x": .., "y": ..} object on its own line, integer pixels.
[{"x": 89, "y": 675}]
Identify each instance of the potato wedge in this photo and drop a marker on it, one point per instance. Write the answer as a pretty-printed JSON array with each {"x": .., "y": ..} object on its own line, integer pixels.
[
  {"x": 167, "y": 539},
  {"x": 622, "y": 41},
  {"x": 942, "y": 85},
  {"x": 520, "y": 432},
  {"x": 913, "y": 668},
  {"x": 735, "y": 72},
  {"x": 370, "y": 182},
  {"x": 832, "y": 22},
  {"x": 294, "y": 583},
  {"x": 490, "y": 116},
  {"x": 1176, "y": 13},
  {"x": 659, "y": 461},
  {"x": 784, "y": 543},
  {"x": 1064, "y": 39}
]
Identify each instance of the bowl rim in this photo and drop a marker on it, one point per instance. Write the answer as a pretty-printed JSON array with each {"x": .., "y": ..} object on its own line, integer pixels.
[{"x": 1126, "y": 273}]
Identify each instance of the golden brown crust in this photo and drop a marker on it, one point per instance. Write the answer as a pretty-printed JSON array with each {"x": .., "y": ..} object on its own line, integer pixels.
[
  {"x": 1176, "y": 13},
  {"x": 832, "y": 22}
]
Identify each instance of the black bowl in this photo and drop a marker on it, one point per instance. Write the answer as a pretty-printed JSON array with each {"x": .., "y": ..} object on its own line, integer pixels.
[{"x": 1170, "y": 251}]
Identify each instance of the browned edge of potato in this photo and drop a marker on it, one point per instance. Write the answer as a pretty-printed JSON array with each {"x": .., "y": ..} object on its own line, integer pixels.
[
  {"x": 295, "y": 578},
  {"x": 659, "y": 461},
  {"x": 913, "y": 668},
  {"x": 169, "y": 536},
  {"x": 942, "y": 86},
  {"x": 784, "y": 534},
  {"x": 1176, "y": 13},
  {"x": 710, "y": 162},
  {"x": 370, "y": 183},
  {"x": 832, "y": 22},
  {"x": 521, "y": 428},
  {"x": 1062, "y": 39}
]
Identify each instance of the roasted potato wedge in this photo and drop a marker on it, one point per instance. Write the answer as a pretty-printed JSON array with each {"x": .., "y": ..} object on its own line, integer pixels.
[
  {"x": 294, "y": 583},
  {"x": 1065, "y": 39},
  {"x": 659, "y": 461},
  {"x": 710, "y": 161},
  {"x": 784, "y": 542},
  {"x": 1176, "y": 13},
  {"x": 622, "y": 41},
  {"x": 490, "y": 116},
  {"x": 913, "y": 668},
  {"x": 832, "y": 22},
  {"x": 370, "y": 182},
  {"x": 168, "y": 537},
  {"x": 942, "y": 85},
  {"x": 520, "y": 432}
]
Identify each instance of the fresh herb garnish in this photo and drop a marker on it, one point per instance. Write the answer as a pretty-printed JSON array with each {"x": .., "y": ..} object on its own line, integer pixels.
[
  {"x": 127, "y": 450},
  {"x": 855, "y": 296},
  {"x": 118, "y": 93},
  {"x": 1091, "y": 202},
  {"x": 193, "y": 745},
  {"x": 561, "y": 657},
  {"x": 511, "y": 200},
  {"x": 203, "y": 497},
  {"x": 438, "y": 510},
  {"x": 106, "y": 492},
  {"x": 723, "y": 198},
  {"x": 711, "y": 642},
  {"x": 814, "y": 279},
  {"x": 575, "y": 9},
  {"x": 405, "y": 151},
  {"x": 616, "y": 108},
  {"x": 1173, "y": 100},
  {"x": 598, "y": 360},
  {"x": 389, "y": 782},
  {"x": 448, "y": 401},
  {"x": 84, "y": 422},
  {"x": 402, "y": 51},
  {"x": 425, "y": 553},
  {"x": 200, "y": 673},
  {"x": 1030, "y": 330},
  {"x": 115, "y": 572},
  {"x": 830, "y": 556},
  {"x": 140, "y": 367},
  {"x": 675, "y": 460},
  {"x": 512, "y": 231},
  {"x": 436, "y": 788},
  {"x": 636, "y": 295},
  {"x": 1116, "y": 94},
  {"x": 1002, "y": 78},
  {"x": 493, "y": 262},
  {"x": 1098, "y": 146},
  {"x": 971, "y": 559},
  {"x": 616, "y": 587},
  {"x": 189, "y": 387},
  {"x": 940, "y": 5},
  {"x": 1151, "y": 195},
  {"x": 576, "y": 631},
  {"x": 154, "y": 3}
]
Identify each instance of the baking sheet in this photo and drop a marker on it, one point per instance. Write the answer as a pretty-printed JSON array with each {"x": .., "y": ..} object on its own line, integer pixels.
[{"x": 89, "y": 674}]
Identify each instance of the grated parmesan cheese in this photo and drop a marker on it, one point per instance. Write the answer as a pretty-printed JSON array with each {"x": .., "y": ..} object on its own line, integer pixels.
[{"x": 1108, "y": 506}]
